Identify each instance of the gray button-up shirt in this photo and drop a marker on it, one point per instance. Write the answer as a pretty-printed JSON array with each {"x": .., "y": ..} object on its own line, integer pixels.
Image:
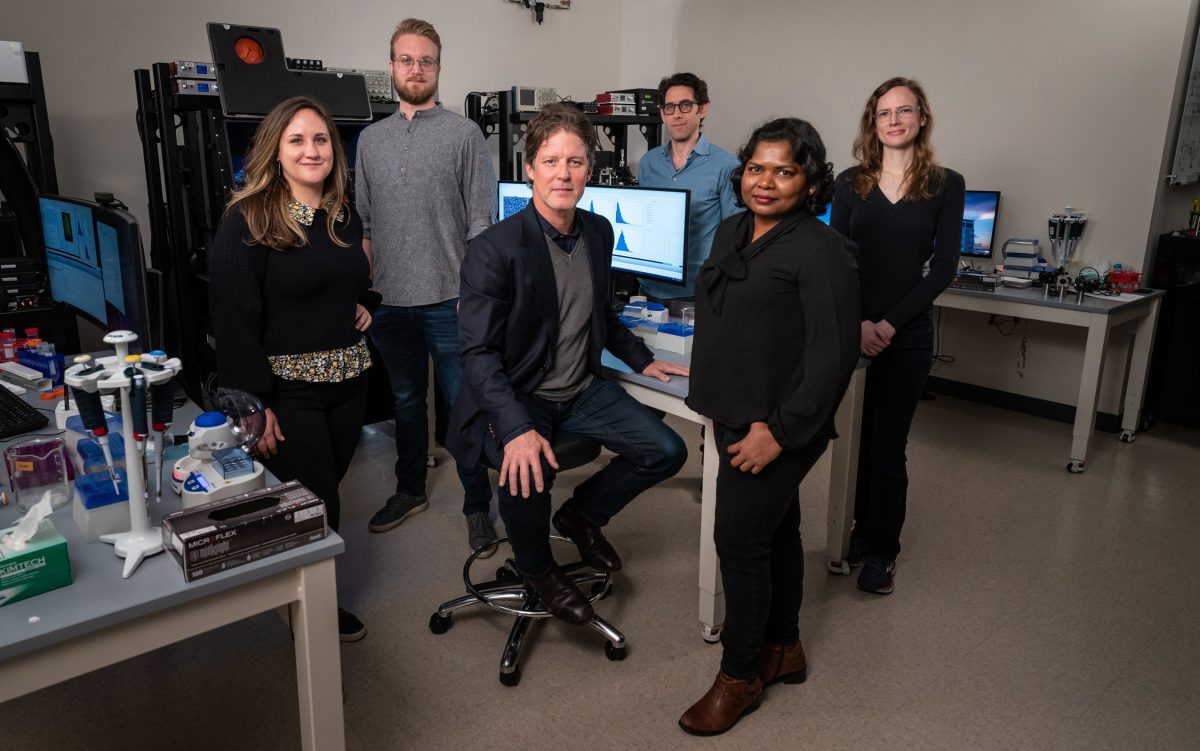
[{"x": 423, "y": 188}]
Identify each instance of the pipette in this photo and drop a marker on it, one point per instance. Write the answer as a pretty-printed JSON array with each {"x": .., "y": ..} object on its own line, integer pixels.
[
  {"x": 91, "y": 412},
  {"x": 162, "y": 408}
]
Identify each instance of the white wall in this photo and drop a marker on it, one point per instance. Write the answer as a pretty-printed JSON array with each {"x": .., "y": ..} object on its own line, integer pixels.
[
  {"x": 89, "y": 51},
  {"x": 1050, "y": 103},
  {"x": 1064, "y": 102}
]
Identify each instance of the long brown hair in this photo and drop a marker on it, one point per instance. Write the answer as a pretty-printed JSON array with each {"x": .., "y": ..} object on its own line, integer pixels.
[
  {"x": 264, "y": 200},
  {"x": 925, "y": 177}
]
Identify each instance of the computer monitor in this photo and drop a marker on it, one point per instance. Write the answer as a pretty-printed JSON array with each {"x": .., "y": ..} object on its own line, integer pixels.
[
  {"x": 95, "y": 264},
  {"x": 979, "y": 222},
  {"x": 649, "y": 225}
]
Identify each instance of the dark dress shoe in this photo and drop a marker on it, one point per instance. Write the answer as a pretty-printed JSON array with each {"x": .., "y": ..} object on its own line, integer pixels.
[
  {"x": 725, "y": 703},
  {"x": 561, "y": 597},
  {"x": 781, "y": 662},
  {"x": 594, "y": 549}
]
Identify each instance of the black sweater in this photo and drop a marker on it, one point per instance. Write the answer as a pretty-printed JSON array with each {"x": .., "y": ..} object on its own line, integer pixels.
[
  {"x": 777, "y": 327},
  {"x": 894, "y": 242},
  {"x": 282, "y": 302}
]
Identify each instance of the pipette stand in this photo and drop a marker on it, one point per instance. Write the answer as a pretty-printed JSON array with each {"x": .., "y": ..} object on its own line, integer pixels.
[{"x": 142, "y": 540}]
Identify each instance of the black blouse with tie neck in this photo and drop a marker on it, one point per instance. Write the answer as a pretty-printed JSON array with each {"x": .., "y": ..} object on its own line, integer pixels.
[{"x": 777, "y": 327}]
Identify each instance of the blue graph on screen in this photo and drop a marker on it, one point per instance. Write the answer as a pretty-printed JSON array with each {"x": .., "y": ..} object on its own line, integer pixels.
[
  {"x": 513, "y": 204},
  {"x": 621, "y": 244}
]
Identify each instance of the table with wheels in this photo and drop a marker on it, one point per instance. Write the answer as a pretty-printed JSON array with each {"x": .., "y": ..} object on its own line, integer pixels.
[{"x": 1132, "y": 314}]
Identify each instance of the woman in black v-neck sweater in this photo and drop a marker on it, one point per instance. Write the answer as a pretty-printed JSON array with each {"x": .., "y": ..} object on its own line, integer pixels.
[
  {"x": 777, "y": 334},
  {"x": 903, "y": 210}
]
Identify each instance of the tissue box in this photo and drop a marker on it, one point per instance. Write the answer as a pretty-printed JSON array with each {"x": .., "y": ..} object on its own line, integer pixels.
[
  {"x": 41, "y": 566},
  {"x": 217, "y": 536}
]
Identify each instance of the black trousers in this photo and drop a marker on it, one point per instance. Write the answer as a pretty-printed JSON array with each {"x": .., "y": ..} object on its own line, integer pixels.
[
  {"x": 895, "y": 380},
  {"x": 757, "y": 533},
  {"x": 321, "y": 423}
]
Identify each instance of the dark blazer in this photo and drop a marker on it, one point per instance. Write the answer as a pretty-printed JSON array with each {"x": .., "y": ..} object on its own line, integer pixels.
[{"x": 508, "y": 324}]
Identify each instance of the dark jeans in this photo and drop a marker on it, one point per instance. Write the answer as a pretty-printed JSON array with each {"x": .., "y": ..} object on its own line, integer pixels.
[
  {"x": 895, "y": 380},
  {"x": 406, "y": 339},
  {"x": 647, "y": 452},
  {"x": 320, "y": 423},
  {"x": 757, "y": 533}
]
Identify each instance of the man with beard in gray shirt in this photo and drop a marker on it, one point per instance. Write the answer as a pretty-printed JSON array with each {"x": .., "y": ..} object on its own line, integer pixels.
[{"x": 424, "y": 186}]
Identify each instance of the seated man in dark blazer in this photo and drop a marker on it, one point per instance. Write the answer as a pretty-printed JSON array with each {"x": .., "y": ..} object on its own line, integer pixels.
[{"x": 533, "y": 319}]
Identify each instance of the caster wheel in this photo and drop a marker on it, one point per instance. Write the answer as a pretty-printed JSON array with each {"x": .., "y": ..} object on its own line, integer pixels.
[
  {"x": 614, "y": 653},
  {"x": 710, "y": 634},
  {"x": 504, "y": 573},
  {"x": 1127, "y": 436},
  {"x": 1075, "y": 466},
  {"x": 513, "y": 678},
  {"x": 440, "y": 624}
]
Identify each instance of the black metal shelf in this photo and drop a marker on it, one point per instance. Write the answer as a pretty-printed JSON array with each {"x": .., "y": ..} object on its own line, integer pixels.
[{"x": 510, "y": 126}]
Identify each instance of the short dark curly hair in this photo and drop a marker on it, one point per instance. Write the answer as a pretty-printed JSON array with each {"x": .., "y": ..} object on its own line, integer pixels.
[
  {"x": 807, "y": 150},
  {"x": 691, "y": 80}
]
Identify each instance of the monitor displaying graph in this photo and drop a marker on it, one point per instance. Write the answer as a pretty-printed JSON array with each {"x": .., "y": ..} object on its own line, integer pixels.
[{"x": 649, "y": 225}]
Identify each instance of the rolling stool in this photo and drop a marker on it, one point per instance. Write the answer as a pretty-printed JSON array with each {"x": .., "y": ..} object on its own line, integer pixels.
[{"x": 508, "y": 592}]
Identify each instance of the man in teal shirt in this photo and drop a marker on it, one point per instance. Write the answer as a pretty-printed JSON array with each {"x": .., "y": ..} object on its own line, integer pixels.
[{"x": 689, "y": 160}]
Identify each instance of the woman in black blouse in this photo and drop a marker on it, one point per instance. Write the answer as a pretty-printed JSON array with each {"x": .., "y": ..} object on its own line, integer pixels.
[
  {"x": 777, "y": 330},
  {"x": 903, "y": 210},
  {"x": 287, "y": 273}
]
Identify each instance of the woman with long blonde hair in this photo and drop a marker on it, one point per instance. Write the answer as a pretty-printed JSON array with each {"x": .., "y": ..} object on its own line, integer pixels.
[
  {"x": 288, "y": 277},
  {"x": 903, "y": 210}
]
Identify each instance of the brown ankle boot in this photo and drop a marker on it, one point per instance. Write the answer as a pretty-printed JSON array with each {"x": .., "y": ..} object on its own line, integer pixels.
[
  {"x": 724, "y": 704},
  {"x": 780, "y": 662}
]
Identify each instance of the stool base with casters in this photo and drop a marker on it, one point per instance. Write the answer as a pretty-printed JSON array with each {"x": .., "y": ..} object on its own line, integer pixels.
[{"x": 510, "y": 593}]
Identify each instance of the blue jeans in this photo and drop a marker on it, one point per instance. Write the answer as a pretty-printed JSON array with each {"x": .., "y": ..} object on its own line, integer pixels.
[
  {"x": 647, "y": 452},
  {"x": 406, "y": 338}
]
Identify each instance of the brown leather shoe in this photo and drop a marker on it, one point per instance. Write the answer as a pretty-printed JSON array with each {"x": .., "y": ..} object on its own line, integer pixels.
[
  {"x": 725, "y": 703},
  {"x": 561, "y": 597},
  {"x": 594, "y": 549},
  {"x": 780, "y": 662}
]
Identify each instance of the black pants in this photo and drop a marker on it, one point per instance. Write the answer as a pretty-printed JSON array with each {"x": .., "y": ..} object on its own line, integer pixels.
[
  {"x": 895, "y": 380},
  {"x": 321, "y": 423},
  {"x": 757, "y": 533}
]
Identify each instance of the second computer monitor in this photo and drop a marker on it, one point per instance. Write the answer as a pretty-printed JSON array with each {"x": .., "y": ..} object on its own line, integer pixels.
[
  {"x": 649, "y": 225},
  {"x": 979, "y": 222},
  {"x": 95, "y": 264}
]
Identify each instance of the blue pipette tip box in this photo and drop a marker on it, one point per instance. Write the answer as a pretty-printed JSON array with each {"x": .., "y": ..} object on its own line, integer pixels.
[{"x": 96, "y": 490}]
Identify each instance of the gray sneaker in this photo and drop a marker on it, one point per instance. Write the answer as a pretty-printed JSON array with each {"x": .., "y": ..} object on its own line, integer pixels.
[
  {"x": 398, "y": 508},
  {"x": 481, "y": 535}
]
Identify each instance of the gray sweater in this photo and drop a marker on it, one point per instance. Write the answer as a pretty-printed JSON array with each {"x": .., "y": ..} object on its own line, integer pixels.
[{"x": 423, "y": 188}]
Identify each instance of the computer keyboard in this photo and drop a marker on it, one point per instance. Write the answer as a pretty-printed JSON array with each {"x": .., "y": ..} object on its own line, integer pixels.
[{"x": 17, "y": 416}]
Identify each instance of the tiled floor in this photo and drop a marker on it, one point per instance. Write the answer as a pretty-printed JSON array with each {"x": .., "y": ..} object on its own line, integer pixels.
[{"x": 1034, "y": 609}]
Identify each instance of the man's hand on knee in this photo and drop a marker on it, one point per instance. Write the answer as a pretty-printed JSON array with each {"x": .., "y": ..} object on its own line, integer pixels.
[{"x": 522, "y": 466}]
